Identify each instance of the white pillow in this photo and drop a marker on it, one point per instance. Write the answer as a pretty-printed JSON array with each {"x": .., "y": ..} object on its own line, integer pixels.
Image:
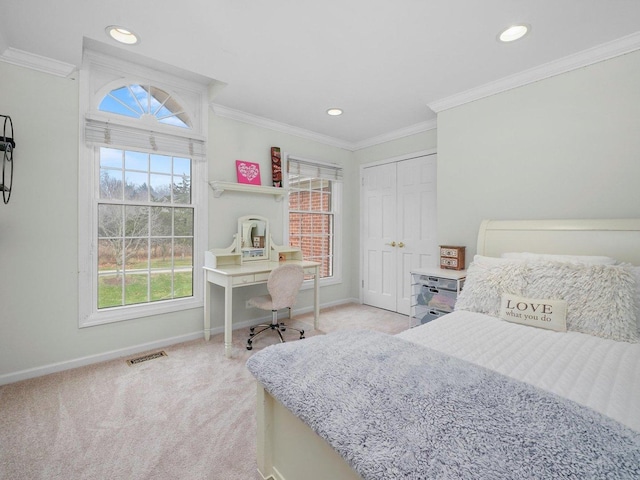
[
  {"x": 601, "y": 299},
  {"x": 586, "y": 259}
]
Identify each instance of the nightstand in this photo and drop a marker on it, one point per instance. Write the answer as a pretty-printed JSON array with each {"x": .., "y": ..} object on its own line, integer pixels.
[{"x": 434, "y": 292}]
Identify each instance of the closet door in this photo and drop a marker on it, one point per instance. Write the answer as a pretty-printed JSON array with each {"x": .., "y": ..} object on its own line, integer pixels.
[
  {"x": 379, "y": 230},
  {"x": 399, "y": 229},
  {"x": 417, "y": 244}
]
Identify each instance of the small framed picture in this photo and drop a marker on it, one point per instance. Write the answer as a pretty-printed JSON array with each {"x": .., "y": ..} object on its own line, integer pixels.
[{"x": 248, "y": 172}]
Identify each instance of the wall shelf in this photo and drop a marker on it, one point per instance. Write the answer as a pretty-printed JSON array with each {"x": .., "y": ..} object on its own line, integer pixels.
[{"x": 220, "y": 187}]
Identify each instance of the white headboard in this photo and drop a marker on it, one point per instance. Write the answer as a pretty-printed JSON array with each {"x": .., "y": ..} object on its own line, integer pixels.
[{"x": 617, "y": 238}]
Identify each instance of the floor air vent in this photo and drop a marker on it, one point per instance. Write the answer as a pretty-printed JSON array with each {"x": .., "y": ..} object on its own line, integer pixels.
[{"x": 144, "y": 358}]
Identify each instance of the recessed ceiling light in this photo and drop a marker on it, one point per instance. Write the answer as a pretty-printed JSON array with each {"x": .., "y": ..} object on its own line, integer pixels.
[
  {"x": 334, "y": 111},
  {"x": 514, "y": 32},
  {"x": 122, "y": 35}
]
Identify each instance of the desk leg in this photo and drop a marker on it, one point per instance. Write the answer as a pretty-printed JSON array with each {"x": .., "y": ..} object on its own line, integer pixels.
[
  {"x": 228, "y": 325},
  {"x": 207, "y": 308},
  {"x": 316, "y": 299}
]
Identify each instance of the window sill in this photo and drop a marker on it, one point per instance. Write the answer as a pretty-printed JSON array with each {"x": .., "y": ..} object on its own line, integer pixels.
[{"x": 118, "y": 314}]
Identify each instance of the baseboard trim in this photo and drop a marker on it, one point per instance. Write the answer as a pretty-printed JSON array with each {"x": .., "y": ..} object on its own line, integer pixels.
[
  {"x": 277, "y": 475},
  {"x": 91, "y": 359},
  {"x": 124, "y": 352}
]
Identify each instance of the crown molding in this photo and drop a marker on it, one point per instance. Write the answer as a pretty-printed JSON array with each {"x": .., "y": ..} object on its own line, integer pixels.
[
  {"x": 251, "y": 119},
  {"x": 37, "y": 62},
  {"x": 396, "y": 134},
  {"x": 587, "y": 57}
]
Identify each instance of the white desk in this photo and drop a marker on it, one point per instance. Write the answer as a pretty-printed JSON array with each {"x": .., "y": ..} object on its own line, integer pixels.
[{"x": 250, "y": 273}]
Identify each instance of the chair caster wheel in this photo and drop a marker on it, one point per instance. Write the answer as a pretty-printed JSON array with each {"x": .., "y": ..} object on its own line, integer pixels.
[
  {"x": 301, "y": 337},
  {"x": 249, "y": 346},
  {"x": 252, "y": 330}
]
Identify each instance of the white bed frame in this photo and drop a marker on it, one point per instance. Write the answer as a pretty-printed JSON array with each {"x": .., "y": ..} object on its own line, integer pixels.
[
  {"x": 289, "y": 450},
  {"x": 619, "y": 238}
]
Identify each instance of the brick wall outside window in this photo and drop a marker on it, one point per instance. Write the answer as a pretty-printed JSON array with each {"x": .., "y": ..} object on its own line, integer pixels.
[{"x": 311, "y": 222}]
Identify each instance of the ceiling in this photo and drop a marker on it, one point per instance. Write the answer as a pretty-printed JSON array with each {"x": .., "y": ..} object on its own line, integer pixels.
[{"x": 384, "y": 62}]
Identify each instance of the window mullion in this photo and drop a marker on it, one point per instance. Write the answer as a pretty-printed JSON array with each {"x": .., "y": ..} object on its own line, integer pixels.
[
  {"x": 124, "y": 104},
  {"x": 123, "y": 282},
  {"x": 149, "y": 255},
  {"x": 135, "y": 97}
]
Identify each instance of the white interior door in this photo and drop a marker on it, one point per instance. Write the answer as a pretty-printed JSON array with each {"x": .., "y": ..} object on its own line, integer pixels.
[
  {"x": 416, "y": 226},
  {"x": 379, "y": 228},
  {"x": 399, "y": 229}
]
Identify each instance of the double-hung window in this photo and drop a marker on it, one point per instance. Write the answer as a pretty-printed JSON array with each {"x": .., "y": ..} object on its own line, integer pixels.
[
  {"x": 142, "y": 201},
  {"x": 314, "y": 210}
]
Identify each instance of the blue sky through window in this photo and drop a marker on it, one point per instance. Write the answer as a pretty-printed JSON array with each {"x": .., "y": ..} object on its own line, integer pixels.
[{"x": 134, "y": 101}]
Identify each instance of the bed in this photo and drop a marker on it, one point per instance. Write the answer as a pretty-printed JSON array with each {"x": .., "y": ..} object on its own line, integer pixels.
[{"x": 501, "y": 399}]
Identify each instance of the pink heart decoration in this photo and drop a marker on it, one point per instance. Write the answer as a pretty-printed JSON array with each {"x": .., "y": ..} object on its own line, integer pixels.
[{"x": 248, "y": 172}]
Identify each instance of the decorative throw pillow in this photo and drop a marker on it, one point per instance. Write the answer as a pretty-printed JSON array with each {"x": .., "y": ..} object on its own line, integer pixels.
[
  {"x": 540, "y": 313},
  {"x": 600, "y": 298},
  {"x": 487, "y": 279}
]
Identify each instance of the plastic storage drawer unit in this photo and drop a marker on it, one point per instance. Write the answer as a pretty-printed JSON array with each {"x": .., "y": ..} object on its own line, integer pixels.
[
  {"x": 439, "y": 282},
  {"x": 440, "y": 299}
]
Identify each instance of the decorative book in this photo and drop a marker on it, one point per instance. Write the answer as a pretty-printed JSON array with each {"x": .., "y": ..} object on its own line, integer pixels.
[{"x": 276, "y": 167}]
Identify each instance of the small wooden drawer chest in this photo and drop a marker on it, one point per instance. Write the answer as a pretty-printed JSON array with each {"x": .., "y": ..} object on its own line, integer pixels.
[{"x": 452, "y": 257}]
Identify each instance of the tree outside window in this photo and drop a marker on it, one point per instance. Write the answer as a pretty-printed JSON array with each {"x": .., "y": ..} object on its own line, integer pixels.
[{"x": 145, "y": 228}]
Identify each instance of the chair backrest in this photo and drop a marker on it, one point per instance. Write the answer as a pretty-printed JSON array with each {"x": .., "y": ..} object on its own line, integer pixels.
[{"x": 283, "y": 285}]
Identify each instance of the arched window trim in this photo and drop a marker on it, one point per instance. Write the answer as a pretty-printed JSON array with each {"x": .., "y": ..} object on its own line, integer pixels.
[
  {"x": 149, "y": 117},
  {"x": 110, "y": 128},
  {"x": 99, "y": 74}
]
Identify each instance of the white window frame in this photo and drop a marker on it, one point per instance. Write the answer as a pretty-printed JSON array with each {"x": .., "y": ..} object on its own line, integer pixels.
[
  {"x": 337, "y": 207},
  {"x": 98, "y": 76}
]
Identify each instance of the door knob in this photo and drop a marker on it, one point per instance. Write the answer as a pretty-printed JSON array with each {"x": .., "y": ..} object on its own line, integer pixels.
[
  {"x": 401, "y": 244},
  {"x": 393, "y": 244}
]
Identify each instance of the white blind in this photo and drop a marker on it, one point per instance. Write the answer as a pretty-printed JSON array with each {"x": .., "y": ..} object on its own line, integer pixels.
[
  {"x": 103, "y": 133},
  {"x": 309, "y": 168}
]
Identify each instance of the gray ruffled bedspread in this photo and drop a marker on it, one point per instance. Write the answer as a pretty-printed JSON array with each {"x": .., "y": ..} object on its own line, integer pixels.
[{"x": 395, "y": 410}]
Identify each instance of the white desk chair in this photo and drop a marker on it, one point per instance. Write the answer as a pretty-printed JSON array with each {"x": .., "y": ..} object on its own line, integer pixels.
[{"x": 283, "y": 285}]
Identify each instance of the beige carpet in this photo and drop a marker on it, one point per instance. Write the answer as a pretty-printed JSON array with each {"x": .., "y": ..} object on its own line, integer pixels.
[{"x": 189, "y": 415}]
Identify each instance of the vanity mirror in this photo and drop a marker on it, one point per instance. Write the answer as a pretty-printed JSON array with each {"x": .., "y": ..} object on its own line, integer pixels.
[
  {"x": 252, "y": 242},
  {"x": 253, "y": 238}
]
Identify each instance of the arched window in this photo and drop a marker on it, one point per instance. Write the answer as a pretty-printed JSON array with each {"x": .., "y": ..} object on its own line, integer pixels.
[
  {"x": 141, "y": 101},
  {"x": 142, "y": 225}
]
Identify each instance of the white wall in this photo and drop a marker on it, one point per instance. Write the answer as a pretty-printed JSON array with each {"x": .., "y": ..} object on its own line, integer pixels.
[
  {"x": 230, "y": 140},
  {"x": 39, "y": 230},
  {"x": 564, "y": 147},
  {"x": 39, "y": 237}
]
